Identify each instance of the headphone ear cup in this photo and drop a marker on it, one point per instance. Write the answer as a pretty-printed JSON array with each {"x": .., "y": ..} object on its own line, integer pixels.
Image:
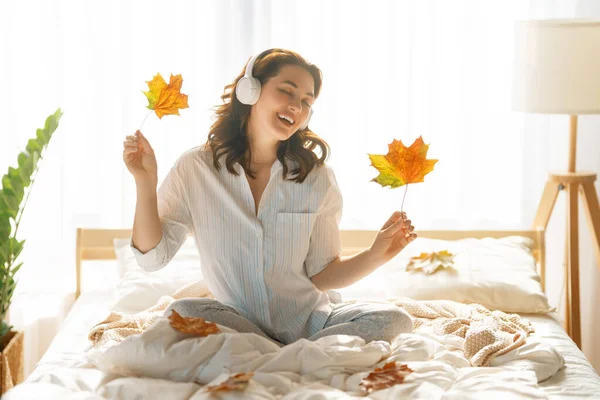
[
  {"x": 247, "y": 90},
  {"x": 305, "y": 124}
]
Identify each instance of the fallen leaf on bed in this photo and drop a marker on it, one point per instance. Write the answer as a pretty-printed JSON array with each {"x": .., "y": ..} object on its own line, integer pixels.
[
  {"x": 382, "y": 378},
  {"x": 235, "y": 382},
  {"x": 166, "y": 99},
  {"x": 402, "y": 165},
  {"x": 194, "y": 326},
  {"x": 431, "y": 262}
]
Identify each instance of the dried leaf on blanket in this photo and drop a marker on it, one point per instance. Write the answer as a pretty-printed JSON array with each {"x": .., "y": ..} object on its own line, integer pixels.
[
  {"x": 487, "y": 334},
  {"x": 191, "y": 325},
  {"x": 235, "y": 382},
  {"x": 382, "y": 378},
  {"x": 117, "y": 326},
  {"x": 429, "y": 263}
]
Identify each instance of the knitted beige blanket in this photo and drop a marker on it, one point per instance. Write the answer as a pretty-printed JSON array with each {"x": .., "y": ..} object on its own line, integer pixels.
[{"x": 487, "y": 334}]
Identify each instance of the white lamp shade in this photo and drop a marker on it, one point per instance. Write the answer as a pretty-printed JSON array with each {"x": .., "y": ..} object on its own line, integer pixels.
[{"x": 556, "y": 67}]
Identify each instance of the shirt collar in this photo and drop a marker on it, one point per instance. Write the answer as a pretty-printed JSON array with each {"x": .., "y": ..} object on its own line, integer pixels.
[{"x": 277, "y": 166}]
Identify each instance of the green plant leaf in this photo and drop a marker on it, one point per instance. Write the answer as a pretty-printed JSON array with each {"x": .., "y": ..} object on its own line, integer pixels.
[
  {"x": 8, "y": 287},
  {"x": 16, "y": 247},
  {"x": 11, "y": 285},
  {"x": 42, "y": 135},
  {"x": 5, "y": 227},
  {"x": 20, "y": 159},
  {"x": 13, "y": 173},
  {"x": 52, "y": 122},
  {"x": 4, "y": 250},
  {"x": 29, "y": 166},
  {"x": 8, "y": 191},
  {"x": 12, "y": 205},
  {"x": 14, "y": 270},
  {"x": 16, "y": 182},
  {"x": 33, "y": 145},
  {"x": 4, "y": 213},
  {"x": 26, "y": 170},
  {"x": 4, "y": 328},
  {"x": 18, "y": 188},
  {"x": 7, "y": 182},
  {"x": 6, "y": 306}
]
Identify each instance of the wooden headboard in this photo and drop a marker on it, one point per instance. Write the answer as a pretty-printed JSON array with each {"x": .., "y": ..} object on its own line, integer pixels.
[{"x": 97, "y": 244}]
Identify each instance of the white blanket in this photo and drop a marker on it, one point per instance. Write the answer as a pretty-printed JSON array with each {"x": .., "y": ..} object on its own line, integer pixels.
[
  {"x": 162, "y": 363},
  {"x": 162, "y": 360}
]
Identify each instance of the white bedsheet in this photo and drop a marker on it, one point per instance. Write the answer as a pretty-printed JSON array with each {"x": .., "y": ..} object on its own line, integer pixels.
[{"x": 64, "y": 372}]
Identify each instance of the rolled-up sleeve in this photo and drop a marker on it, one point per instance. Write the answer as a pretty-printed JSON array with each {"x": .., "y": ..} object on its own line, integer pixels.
[
  {"x": 175, "y": 218},
  {"x": 325, "y": 245}
]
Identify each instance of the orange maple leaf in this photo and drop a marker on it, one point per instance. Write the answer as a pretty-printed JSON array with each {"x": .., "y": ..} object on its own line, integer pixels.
[
  {"x": 235, "y": 382},
  {"x": 194, "y": 326},
  {"x": 166, "y": 99},
  {"x": 402, "y": 165},
  {"x": 382, "y": 378}
]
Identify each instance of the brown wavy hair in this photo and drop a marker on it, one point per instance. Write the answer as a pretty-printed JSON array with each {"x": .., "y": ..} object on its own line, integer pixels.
[{"x": 228, "y": 134}]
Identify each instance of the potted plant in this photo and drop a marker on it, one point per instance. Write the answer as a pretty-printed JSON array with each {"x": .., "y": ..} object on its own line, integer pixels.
[{"x": 12, "y": 206}]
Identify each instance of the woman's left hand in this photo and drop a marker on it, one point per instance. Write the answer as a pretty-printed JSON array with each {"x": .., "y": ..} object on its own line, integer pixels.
[{"x": 394, "y": 236}]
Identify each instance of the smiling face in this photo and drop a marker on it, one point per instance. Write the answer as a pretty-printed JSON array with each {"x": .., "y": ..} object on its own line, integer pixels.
[{"x": 283, "y": 105}]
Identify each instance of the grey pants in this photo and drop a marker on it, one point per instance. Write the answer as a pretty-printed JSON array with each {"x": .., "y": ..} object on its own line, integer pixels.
[{"x": 371, "y": 321}]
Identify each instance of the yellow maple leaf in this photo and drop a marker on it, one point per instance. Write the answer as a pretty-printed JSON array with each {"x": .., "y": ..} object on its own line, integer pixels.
[
  {"x": 431, "y": 262},
  {"x": 402, "y": 165},
  {"x": 166, "y": 99},
  {"x": 194, "y": 326}
]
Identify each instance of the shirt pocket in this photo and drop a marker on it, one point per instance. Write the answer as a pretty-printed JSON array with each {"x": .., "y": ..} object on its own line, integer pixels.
[{"x": 292, "y": 240}]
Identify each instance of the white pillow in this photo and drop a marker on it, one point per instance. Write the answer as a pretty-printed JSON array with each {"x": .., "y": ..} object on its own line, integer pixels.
[
  {"x": 499, "y": 274},
  {"x": 138, "y": 290}
]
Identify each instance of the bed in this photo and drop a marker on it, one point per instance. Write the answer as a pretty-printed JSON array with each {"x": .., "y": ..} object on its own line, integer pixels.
[{"x": 549, "y": 366}]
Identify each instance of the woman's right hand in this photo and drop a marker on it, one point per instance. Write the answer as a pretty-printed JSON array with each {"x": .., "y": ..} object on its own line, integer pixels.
[{"x": 139, "y": 159}]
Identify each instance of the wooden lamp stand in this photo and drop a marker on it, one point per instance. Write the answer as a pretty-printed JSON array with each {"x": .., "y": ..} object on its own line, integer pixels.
[{"x": 575, "y": 183}]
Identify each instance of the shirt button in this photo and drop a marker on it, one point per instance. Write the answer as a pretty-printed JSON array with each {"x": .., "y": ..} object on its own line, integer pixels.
[{"x": 258, "y": 234}]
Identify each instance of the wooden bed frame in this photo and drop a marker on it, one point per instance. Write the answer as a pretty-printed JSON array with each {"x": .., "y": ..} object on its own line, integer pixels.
[{"x": 97, "y": 244}]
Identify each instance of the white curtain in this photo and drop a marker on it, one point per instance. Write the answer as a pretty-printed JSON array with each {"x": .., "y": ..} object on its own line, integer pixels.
[{"x": 392, "y": 70}]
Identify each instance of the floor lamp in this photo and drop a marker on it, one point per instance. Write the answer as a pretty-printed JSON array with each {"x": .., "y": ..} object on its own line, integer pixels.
[{"x": 557, "y": 71}]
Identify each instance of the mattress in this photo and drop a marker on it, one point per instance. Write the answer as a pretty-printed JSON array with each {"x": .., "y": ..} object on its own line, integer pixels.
[
  {"x": 577, "y": 379},
  {"x": 71, "y": 341},
  {"x": 63, "y": 372}
]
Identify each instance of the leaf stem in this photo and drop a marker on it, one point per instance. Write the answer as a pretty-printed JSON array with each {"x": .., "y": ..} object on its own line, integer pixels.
[
  {"x": 403, "y": 197},
  {"x": 145, "y": 120}
]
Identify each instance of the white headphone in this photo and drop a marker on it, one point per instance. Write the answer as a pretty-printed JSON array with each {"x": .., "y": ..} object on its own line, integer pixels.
[{"x": 247, "y": 89}]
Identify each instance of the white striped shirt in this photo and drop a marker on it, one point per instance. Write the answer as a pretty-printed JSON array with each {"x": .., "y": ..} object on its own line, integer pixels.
[{"x": 261, "y": 266}]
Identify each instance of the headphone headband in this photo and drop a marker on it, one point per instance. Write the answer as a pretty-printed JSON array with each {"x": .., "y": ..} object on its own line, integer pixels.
[{"x": 250, "y": 66}]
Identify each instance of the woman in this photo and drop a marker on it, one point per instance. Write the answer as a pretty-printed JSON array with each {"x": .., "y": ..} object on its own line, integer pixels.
[{"x": 264, "y": 210}]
